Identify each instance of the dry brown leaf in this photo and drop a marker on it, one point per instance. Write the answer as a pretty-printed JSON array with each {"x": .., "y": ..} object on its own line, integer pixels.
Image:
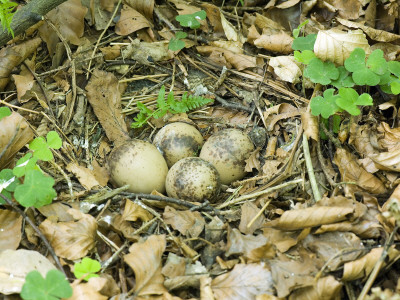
[
  {"x": 336, "y": 45},
  {"x": 58, "y": 211},
  {"x": 71, "y": 240},
  {"x": 287, "y": 68},
  {"x": 287, "y": 4},
  {"x": 104, "y": 97},
  {"x": 145, "y": 260},
  {"x": 353, "y": 172},
  {"x": 283, "y": 239},
  {"x": 10, "y": 126},
  {"x": 329, "y": 247},
  {"x": 11, "y": 229},
  {"x": 362, "y": 267},
  {"x": 365, "y": 229},
  {"x": 68, "y": 17},
  {"x": 311, "y": 217},
  {"x": 213, "y": 14},
  {"x": 243, "y": 282},
  {"x": 23, "y": 82},
  {"x": 90, "y": 290},
  {"x": 174, "y": 266},
  {"x": 293, "y": 274},
  {"x": 133, "y": 211},
  {"x": 253, "y": 162},
  {"x": 348, "y": 9},
  {"x": 310, "y": 125},
  {"x": 144, "y": 7},
  {"x": 130, "y": 21},
  {"x": 12, "y": 56},
  {"x": 249, "y": 211},
  {"x": 327, "y": 288},
  {"x": 278, "y": 41},
  {"x": 84, "y": 175},
  {"x": 229, "y": 30},
  {"x": 188, "y": 223},
  {"x": 375, "y": 34},
  {"x": 238, "y": 243},
  {"x": 16, "y": 264},
  {"x": 145, "y": 52}
]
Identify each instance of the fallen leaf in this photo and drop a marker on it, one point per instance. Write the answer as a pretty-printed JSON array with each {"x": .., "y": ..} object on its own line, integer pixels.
[
  {"x": 188, "y": 223},
  {"x": 145, "y": 260},
  {"x": 11, "y": 229},
  {"x": 130, "y": 21}
]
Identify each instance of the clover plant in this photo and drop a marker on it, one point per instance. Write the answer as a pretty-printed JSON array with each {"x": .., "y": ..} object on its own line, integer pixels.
[{"x": 87, "y": 268}]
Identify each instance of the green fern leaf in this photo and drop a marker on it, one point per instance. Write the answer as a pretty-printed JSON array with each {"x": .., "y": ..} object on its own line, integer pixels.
[{"x": 143, "y": 116}]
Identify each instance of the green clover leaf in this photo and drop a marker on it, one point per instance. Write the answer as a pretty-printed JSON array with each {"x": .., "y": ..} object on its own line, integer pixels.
[
  {"x": 325, "y": 106},
  {"x": 4, "y": 112},
  {"x": 37, "y": 190},
  {"x": 304, "y": 43},
  {"x": 8, "y": 183},
  {"x": 394, "y": 67},
  {"x": 24, "y": 164},
  {"x": 87, "y": 267},
  {"x": 377, "y": 63},
  {"x": 321, "y": 72},
  {"x": 395, "y": 87},
  {"x": 349, "y": 99},
  {"x": 41, "y": 147},
  {"x": 176, "y": 43},
  {"x": 304, "y": 57},
  {"x": 366, "y": 73},
  {"x": 53, "y": 287},
  {"x": 191, "y": 20},
  {"x": 344, "y": 79}
]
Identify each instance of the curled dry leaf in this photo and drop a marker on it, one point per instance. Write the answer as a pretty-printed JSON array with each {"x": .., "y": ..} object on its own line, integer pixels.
[
  {"x": 243, "y": 282},
  {"x": 238, "y": 61},
  {"x": 68, "y": 17},
  {"x": 12, "y": 56},
  {"x": 187, "y": 222},
  {"x": 130, "y": 21},
  {"x": 71, "y": 240},
  {"x": 16, "y": 131},
  {"x": 11, "y": 226},
  {"x": 104, "y": 97},
  {"x": 229, "y": 30},
  {"x": 133, "y": 212},
  {"x": 375, "y": 34},
  {"x": 362, "y": 267},
  {"x": 145, "y": 52},
  {"x": 144, "y": 7},
  {"x": 327, "y": 288},
  {"x": 145, "y": 260},
  {"x": 311, "y": 217},
  {"x": 84, "y": 175},
  {"x": 335, "y": 45},
  {"x": 89, "y": 290},
  {"x": 287, "y": 68},
  {"x": 16, "y": 264},
  {"x": 351, "y": 171}
]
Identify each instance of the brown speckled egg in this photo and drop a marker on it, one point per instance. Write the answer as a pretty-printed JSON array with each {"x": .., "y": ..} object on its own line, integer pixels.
[
  {"x": 227, "y": 150},
  {"x": 139, "y": 164},
  {"x": 178, "y": 140},
  {"x": 193, "y": 179}
]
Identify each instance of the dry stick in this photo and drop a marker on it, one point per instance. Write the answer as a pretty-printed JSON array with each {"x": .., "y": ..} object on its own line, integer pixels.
[
  {"x": 378, "y": 264},
  {"x": 259, "y": 193},
  {"x": 73, "y": 79},
  {"x": 310, "y": 169},
  {"x": 41, "y": 88},
  {"x": 37, "y": 230},
  {"x": 101, "y": 36},
  {"x": 324, "y": 166}
]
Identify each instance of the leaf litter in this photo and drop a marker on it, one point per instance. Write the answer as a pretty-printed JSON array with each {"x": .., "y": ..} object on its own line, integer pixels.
[{"x": 266, "y": 236}]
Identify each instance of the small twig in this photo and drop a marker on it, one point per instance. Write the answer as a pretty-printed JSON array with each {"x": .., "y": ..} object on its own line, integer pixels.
[
  {"x": 378, "y": 265},
  {"x": 38, "y": 232},
  {"x": 323, "y": 165},
  {"x": 259, "y": 193},
  {"x": 310, "y": 169},
  {"x": 259, "y": 213},
  {"x": 54, "y": 164},
  {"x": 236, "y": 106},
  {"x": 102, "y": 34}
]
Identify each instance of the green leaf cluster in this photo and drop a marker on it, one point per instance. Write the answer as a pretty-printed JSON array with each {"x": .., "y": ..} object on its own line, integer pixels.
[
  {"x": 87, "y": 268},
  {"x": 170, "y": 105},
  {"x": 190, "y": 20},
  {"x": 7, "y": 14},
  {"x": 357, "y": 70},
  {"x": 26, "y": 182},
  {"x": 54, "y": 287}
]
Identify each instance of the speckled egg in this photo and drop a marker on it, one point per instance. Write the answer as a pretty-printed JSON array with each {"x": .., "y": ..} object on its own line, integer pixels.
[
  {"x": 227, "y": 150},
  {"x": 193, "y": 179},
  {"x": 138, "y": 164},
  {"x": 178, "y": 140}
]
